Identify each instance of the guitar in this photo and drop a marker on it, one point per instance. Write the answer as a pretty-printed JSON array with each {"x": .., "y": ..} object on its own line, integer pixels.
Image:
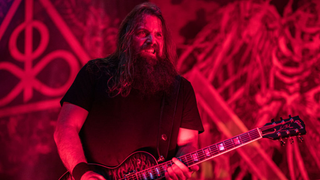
[{"x": 142, "y": 165}]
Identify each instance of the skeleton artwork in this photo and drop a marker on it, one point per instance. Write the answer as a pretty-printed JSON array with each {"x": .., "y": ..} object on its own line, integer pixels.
[{"x": 258, "y": 65}]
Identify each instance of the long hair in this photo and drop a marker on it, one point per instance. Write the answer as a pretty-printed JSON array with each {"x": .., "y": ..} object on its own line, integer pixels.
[{"x": 120, "y": 63}]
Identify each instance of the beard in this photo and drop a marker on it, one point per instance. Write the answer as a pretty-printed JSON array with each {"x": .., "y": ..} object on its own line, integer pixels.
[{"x": 153, "y": 75}]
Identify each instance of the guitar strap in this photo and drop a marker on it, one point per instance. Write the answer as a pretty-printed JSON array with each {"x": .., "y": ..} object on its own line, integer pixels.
[{"x": 170, "y": 119}]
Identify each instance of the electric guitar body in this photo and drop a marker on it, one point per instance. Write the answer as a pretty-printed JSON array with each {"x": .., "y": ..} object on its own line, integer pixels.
[{"x": 137, "y": 161}]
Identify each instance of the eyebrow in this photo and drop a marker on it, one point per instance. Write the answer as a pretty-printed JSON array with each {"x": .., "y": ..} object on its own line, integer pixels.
[
  {"x": 139, "y": 28},
  {"x": 143, "y": 28}
]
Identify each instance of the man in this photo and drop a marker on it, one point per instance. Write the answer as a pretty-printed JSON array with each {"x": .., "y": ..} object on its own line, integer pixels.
[{"x": 114, "y": 105}]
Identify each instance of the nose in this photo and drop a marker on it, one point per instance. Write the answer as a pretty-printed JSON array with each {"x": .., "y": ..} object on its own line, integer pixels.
[{"x": 151, "y": 39}]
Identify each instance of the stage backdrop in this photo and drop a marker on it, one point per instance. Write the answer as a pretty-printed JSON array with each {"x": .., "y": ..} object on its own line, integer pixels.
[{"x": 249, "y": 61}]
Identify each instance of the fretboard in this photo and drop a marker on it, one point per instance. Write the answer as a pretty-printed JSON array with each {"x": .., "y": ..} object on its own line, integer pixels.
[{"x": 199, "y": 156}]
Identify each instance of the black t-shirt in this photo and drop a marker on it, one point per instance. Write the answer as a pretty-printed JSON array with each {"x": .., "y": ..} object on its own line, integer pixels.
[{"x": 115, "y": 127}]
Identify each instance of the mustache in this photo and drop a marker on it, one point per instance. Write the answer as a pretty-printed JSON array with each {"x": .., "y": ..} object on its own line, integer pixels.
[{"x": 153, "y": 46}]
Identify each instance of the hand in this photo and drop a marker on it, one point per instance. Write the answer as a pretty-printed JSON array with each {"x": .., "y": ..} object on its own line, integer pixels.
[
  {"x": 180, "y": 171},
  {"x": 90, "y": 175}
]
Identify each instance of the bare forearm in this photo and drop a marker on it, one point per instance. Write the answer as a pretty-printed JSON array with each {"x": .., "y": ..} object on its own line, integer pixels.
[
  {"x": 187, "y": 148},
  {"x": 187, "y": 142},
  {"x": 69, "y": 147},
  {"x": 66, "y": 135}
]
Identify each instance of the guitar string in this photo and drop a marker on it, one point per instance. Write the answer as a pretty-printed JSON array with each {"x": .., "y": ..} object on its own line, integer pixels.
[
  {"x": 201, "y": 155},
  {"x": 213, "y": 150},
  {"x": 131, "y": 175}
]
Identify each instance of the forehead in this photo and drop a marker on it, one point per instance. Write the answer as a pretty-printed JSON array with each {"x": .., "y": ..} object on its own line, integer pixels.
[{"x": 150, "y": 22}]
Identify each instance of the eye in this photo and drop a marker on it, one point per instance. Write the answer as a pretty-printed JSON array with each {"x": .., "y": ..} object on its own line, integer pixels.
[
  {"x": 141, "y": 33},
  {"x": 159, "y": 35}
]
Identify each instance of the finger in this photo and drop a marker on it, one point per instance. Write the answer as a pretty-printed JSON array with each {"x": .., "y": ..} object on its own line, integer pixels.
[
  {"x": 90, "y": 175},
  {"x": 171, "y": 172},
  {"x": 167, "y": 176},
  {"x": 183, "y": 168},
  {"x": 194, "y": 168},
  {"x": 101, "y": 178},
  {"x": 179, "y": 173},
  {"x": 95, "y": 178},
  {"x": 98, "y": 177}
]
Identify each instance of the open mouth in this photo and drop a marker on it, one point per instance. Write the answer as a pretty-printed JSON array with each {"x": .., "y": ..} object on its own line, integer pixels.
[{"x": 152, "y": 51}]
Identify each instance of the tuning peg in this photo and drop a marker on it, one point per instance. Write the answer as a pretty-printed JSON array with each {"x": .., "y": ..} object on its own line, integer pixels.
[
  {"x": 289, "y": 116},
  {"x": 300, "y": 138},
  {"x": 281, "y": 118},
  {"x": 291, "y": 140},
  {"x": 272, "y": 120},
  {"x": 282, "y": 142}
]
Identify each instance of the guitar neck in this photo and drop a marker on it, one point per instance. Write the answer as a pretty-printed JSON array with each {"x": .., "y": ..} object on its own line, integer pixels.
[
  {"x": 220, "y": 148},
  {"x": 201, "y": 155}
]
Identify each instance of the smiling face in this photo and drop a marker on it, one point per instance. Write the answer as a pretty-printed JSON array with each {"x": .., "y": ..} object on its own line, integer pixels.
[{"x": 148, "y": 38}]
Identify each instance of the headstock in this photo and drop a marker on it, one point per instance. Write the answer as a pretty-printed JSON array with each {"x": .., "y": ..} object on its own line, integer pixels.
[{"x": 293, "y": 126}]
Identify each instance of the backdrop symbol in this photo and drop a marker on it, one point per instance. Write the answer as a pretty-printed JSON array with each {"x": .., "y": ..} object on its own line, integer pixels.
[{"x": 28, "y": 74}]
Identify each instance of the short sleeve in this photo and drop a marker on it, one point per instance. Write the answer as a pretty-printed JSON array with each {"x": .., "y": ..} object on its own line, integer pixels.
[
  {"x": 190, "y": 114},
  {"x": 81, "y": 91}
]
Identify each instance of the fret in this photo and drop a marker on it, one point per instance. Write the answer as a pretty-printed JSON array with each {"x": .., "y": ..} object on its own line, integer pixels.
[
  {"x": 184, "y": 160},
  {"x": 189, "y": 159},
  {"x": 169, "y": 163},
  {"x": 144, "y": 176},
  {"x": 157, "y": 171},
  {"x": 254, "y": 133},
  {"x": 163, "y": 168},
  {"x": 201, "y": 155},
  {"x": 249, "y": 136},
  {"x": 138, "y": 174},
  {"x": 150, "y": 173},
  {"x": 130, "y": 176},
  {"x": 244, "y": 138},
  {"x": 214, "y": 149},
  {"x": 228, "y": 144},
  {"x": 153, "y": 173}
]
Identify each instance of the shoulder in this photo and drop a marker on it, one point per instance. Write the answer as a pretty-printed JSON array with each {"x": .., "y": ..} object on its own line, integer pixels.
[
  {"x": 98, "y": 67},
  {"x": 186, "y": 88},
  {"x": 185, "y": 83},
  {"x": 95, "y": 64}
]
